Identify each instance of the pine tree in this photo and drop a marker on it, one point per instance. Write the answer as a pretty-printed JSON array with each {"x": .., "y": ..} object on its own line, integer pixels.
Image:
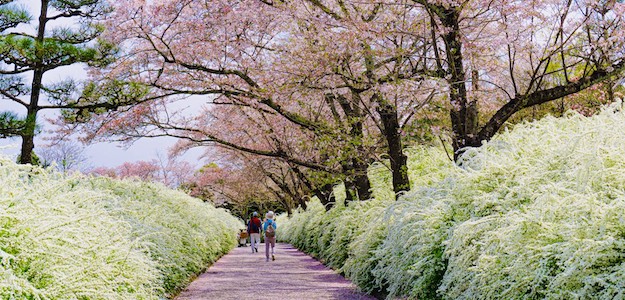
[{"x": 26, "y": 57}]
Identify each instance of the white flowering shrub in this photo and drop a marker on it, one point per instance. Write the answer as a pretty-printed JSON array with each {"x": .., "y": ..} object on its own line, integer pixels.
[
  {"x": 536, "y": 213},
  {"x": 367, "y": 229},
  {"x": 346, "y": 238},
  {"x": 559, "y": 232},
  {"x": 78, "y": 237},
  {"x": 302, "y": 229}
]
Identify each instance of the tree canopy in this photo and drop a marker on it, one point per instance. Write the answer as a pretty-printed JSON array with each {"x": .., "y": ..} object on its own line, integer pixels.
[{"x": 324, "y": 88}]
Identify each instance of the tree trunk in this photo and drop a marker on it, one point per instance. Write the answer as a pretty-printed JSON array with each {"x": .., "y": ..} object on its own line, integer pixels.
[
  {"x": 361, "y": 181},
  {"x": 350, "y": 191},
  {"x": 28, "y": 137},
  {"x": 302, "y": 203},
  {"x": 306, "y": 183},
  {"x": 390, "y": 124},
  {"x": 359, "y": 167},
  {"x": 288, "y": 208},
  {"x": 610, "y": 89},
  {"x": 325, "y": 195},
  {"x": 463, "y": 114},
  {"x": 357, "y": 186}
]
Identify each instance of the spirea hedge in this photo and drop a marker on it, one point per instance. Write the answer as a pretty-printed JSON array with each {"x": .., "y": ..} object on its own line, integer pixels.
[
  {"x": 79, "y": 237},
  {"x": 536, "y": 213}
]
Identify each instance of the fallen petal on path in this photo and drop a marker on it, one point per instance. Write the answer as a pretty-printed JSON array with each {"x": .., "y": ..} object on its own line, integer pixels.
[{"x": 242, "y": 274}]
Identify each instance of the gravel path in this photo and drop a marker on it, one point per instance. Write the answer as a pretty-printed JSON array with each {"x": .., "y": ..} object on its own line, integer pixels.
[{"x": 293, "y": 275}]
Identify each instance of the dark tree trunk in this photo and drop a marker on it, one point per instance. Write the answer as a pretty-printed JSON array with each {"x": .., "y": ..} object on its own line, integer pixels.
[
  {"x": 325, "y": 195},
  {"x": 302, "y": 203},
  {"x": 307, "y": 184},
  {"x": 390, "y": 124},
  {"x": 357, "y": 187},
  {"x": 610, "y": 90},
  {"x": 350, "y": 191},
  {"x": 463, "y": 114},
  {"x": 361, "y": 181},
  {"x": 28, "y": 137},
  {"x": 287, "y": 207}
]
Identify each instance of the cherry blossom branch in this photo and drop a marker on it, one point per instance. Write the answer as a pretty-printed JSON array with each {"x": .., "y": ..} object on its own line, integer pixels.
[
  {"x": 210, "y": 139},
  {"x": 543, "y": 96}
]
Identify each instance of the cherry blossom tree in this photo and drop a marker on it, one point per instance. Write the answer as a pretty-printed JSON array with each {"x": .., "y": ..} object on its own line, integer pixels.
[
  {"x": 270, "y": 130},
  {"x": 329, "y": 86},
  {"x": 369, "y": 67},
  {"x": 525, "y": 53},
  {"x": 500, "y": 57},
  {"x": 271, "y": 73},
  {"x": 144, "y": 170},
  {"x": 170, "y": 172},
  {"x": 238, "y": 187}
]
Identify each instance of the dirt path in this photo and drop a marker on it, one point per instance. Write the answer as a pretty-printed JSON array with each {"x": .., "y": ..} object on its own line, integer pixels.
[{"x": 293, "y": 275}]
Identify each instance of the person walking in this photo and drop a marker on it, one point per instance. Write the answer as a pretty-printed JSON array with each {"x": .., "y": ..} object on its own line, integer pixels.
[
  {"x": 253, "y": 228},
  {"x": 269, "y": 227}
]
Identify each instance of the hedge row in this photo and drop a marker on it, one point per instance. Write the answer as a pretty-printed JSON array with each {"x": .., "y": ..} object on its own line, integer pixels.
[
  {"x": 79, "y": 237},
  {"x": 536, "y": 213}
]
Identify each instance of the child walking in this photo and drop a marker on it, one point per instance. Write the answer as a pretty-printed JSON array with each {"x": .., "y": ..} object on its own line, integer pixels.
[{"x": 270, "y": 234}]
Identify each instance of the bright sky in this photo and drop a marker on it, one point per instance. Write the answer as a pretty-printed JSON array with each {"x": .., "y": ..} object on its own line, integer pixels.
[
  {"x": 100, "y": 154},
  {"x": 110, "y": 154}
]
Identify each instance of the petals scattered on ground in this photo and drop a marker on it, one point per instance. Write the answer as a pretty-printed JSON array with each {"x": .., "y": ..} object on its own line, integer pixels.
[{"x": 242, "y": 274}]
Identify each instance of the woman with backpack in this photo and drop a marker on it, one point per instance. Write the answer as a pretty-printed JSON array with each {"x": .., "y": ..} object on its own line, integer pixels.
[{"x": 269, "y": 227}]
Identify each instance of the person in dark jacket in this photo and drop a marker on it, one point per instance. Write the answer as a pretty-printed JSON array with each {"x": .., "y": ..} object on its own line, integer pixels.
[{"x": 253, "y": 228}]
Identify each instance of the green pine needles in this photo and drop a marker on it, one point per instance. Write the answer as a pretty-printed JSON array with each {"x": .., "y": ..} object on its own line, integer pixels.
[{"x": 536, "y": 213}]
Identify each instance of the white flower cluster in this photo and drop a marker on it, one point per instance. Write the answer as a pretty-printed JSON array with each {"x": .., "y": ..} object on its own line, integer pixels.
[
  {"x": 78, "y": 237},
  {"x": 536, "y": 213}
]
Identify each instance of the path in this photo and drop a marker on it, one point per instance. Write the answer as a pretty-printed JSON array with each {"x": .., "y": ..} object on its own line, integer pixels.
[{"x": 293, "y": 275}]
